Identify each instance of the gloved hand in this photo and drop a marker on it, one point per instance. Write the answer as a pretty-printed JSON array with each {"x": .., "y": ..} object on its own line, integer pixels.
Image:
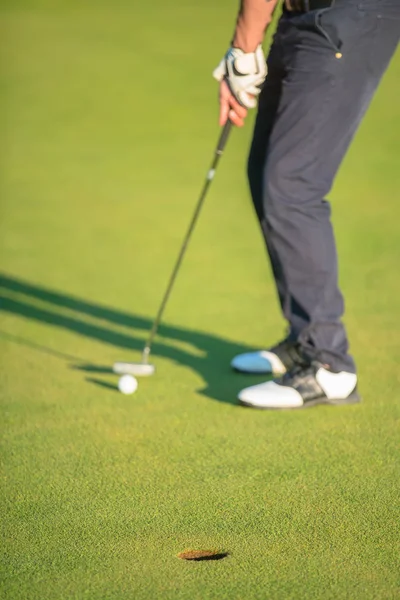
[{"x": 244, "y": 73}]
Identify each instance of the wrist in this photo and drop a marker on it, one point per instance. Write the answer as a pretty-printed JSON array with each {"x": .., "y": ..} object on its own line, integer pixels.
[
  {"x": 251, "y": 25},
  {"x": 245, "y": 38}
]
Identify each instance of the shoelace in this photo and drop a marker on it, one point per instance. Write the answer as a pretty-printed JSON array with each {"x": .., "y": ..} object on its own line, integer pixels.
[
  {"x": 288, "y": 349},
  {"x": 305, "y": 370},
  {"x": 290, "y": 375}
]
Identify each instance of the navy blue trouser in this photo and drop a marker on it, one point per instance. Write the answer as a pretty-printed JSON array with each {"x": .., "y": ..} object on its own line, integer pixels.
[{"x": 323, "y": 69}]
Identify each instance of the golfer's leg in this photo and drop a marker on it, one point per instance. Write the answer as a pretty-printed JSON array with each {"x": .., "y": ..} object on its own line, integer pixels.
[
  {"x": 322, "y": 102},
  {"x": 267, "y": 109}
]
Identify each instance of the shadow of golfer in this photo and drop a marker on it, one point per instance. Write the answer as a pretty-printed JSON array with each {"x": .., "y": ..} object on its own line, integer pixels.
[{"x": 209, "y": 355}]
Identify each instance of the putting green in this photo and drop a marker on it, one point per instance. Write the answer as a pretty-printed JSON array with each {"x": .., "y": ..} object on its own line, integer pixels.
[{"x": 109, "y": 120}]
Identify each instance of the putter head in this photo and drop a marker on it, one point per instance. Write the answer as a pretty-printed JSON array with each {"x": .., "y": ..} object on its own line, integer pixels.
[{"x": 136, "y": 369}]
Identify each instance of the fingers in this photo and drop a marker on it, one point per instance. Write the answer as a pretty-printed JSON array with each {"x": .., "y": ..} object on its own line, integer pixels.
[
  {"x": 230, "y": 107},
  {"x": 223, "y": 110}
]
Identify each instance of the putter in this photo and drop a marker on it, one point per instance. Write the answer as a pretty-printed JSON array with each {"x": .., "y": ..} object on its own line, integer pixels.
[{"x": 144, "y": 368}]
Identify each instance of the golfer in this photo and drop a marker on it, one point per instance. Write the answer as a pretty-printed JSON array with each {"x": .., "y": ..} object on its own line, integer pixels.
[{"x": 324, "y": 65}]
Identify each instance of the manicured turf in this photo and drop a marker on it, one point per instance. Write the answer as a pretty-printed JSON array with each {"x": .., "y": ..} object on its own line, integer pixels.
[{"x": 109, "y": 120}]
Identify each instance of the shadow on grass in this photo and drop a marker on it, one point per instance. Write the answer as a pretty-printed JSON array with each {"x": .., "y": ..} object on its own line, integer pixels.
[
  {"x": 103, "y": 384},
  {"x": 206, "y": 354}
]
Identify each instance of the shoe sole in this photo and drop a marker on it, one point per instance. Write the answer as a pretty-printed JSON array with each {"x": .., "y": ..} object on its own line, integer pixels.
[
  {"x": 267, "y": 373},
  {"x": 352, "y": 399}
]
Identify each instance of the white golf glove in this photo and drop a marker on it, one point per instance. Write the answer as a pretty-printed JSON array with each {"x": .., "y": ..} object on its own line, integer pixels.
[{"x": 244, "y": 73}]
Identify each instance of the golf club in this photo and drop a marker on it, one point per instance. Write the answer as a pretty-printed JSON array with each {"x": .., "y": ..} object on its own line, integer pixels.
[{"x": 144, "y": 368}]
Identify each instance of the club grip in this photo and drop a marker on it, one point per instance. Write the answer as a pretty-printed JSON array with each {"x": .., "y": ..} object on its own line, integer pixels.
[{"x": 223, "y": 138}]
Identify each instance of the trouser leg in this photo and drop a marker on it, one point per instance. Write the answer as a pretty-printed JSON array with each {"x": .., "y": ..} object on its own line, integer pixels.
[
  {"x": 320, "y": 103},
  {"x": 267, "y": 110}
]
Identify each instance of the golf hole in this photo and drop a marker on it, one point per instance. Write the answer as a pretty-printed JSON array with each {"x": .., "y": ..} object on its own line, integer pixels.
[{"x": 198, "y": 555}]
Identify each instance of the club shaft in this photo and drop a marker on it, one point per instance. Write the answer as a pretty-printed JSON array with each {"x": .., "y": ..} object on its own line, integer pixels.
[{"x": 210, "y": 176}]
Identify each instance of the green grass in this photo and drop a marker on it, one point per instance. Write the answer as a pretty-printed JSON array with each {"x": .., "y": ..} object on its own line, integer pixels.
[{"x": 109, "y": 119}]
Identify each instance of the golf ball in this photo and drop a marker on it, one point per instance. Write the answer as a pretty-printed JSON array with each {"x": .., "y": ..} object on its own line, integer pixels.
[{"x": 127, "y": 384}]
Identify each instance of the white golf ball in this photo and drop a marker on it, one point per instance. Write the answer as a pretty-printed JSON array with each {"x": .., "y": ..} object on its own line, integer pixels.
[{"x": 127, "y": 384}]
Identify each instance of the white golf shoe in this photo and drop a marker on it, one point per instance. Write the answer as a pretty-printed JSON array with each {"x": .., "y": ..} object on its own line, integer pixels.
[
  {"x": 302, "y": 387},
  {"x": 261, "y": 362},
  {"x": 275, "y": 361}
]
